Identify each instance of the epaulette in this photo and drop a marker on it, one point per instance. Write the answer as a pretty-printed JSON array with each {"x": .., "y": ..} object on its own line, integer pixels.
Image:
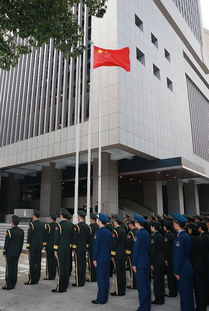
[
  {"x": 114, "y": 234},
  {"x": 77, "y": 228}
]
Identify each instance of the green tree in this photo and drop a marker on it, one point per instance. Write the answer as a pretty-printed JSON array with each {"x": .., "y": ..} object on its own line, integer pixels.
[{"x": 28, "y": 24}]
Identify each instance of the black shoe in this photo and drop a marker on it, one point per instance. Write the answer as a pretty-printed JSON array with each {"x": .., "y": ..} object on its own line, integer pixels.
[
  {"x": 96, "y": 302},
  {"x": 54, "y": 290},
  {"x": 115, "y": 294},
  {"x": 7, "y": 288},
  {"x": 75, "y": 285}
]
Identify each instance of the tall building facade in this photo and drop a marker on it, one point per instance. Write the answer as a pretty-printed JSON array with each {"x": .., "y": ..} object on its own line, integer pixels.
[{"x": 155, "y": 119}]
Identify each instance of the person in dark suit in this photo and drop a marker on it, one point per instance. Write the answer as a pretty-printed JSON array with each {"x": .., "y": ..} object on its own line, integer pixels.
[
  {"x": 12, "y": 249},
  {"x": 118, "y": 256},
  {"x": 157, "y": 263},
  {"x": 62, "y": 250},
  {"x": 101, "y": 259},
  {"x": 169, "y": 238},
  {"x": 199, "y": 267},
  {"x": 51, "y": 262},
  {"x": 181, "y": 263},
  {"x": 129, "y": 252},
  {"x": 35, "y": 243},
  {"x": 80, "y": 242},
  {"x": 141, "y": 263},
  {"x": 93, "y": 227}
]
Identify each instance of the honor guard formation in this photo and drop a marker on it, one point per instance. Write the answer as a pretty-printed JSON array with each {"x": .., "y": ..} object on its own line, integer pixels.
[{"x": 139, "y": 252}]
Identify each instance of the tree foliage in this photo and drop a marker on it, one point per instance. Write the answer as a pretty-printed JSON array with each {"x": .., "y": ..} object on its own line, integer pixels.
[{"x": 28, "y": 24}]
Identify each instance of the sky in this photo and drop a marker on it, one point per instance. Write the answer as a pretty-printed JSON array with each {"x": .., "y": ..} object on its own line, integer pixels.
[{"x": 205, "y": 13}]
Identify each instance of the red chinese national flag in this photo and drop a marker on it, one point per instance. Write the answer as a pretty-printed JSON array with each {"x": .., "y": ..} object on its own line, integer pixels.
[{"x": 104, "y": 57}]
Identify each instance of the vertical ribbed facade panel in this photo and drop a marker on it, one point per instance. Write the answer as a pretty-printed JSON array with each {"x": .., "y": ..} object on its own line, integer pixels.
[
  {"x": 199, "y": 114},
  {"x": 38, "y": 95},
  {"x": 191, "y": 13}
]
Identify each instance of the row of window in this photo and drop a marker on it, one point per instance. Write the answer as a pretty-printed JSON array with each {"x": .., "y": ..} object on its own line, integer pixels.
[
  {"x": 154, "y": 39},
  {"x": 156, "y": 71},
  {"x": 141, "y": 57}
]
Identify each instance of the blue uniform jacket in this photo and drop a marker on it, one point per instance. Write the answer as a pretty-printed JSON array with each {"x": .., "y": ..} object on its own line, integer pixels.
[
  {"x": 141, "y": 249},
  {"x": 102, "y": 245},
  {"x": 181, "y": 254}
]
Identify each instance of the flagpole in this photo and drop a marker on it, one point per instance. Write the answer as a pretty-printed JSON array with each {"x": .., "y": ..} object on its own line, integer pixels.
[
  {"x": 100, "y": 151},
  {"x": 77, "y": 116},
  {"x": 89, "y": 138}
]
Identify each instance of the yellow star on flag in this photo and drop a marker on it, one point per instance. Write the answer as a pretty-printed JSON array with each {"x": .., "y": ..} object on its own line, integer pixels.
[{"x": 100, "y": 51}]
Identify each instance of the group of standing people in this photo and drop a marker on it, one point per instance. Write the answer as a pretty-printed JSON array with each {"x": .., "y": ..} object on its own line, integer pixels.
[{"x": 148, "y": 247}]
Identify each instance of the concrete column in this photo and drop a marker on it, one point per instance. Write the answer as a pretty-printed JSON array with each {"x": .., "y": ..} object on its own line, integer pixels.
[
  {"x": 175, "y": 197},
  {"x": 153, "y": 196},
  {"x": 13, "y": 192},
  {"x": 109, "y": 184},
  {"x": 51, "y": 190},
  {"x": 191, "y": 198}
]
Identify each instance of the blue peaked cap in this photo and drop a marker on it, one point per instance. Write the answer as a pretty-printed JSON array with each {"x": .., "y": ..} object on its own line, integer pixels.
[
  {"x": 179, "y": 218},
  {"x": 103, "y": 218},
  {"x": 140, "y": 219}
]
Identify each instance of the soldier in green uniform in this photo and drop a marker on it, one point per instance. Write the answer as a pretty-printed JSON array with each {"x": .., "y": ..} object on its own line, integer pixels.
[
  {"x": 80, "y": 243},
  {"x": 93, "y": 227},
  {"x": 12, "y": 250},
  {"x": 51, "y": 262},
  {"x": 118, "y": 256},
  {"x": 35, "y": 243},
  {"x": 129, "y": 251},
  {"x": 62, "y": 247}
]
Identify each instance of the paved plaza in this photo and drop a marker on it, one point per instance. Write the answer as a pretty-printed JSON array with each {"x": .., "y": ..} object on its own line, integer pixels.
[{"x": 40, "y": 298}]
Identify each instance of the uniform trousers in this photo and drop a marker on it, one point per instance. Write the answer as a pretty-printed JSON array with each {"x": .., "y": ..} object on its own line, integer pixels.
[
  {"x": 199, "y": 289},
  {"x": 185, "y": 287},
  {"x": 92, "y": 270},
  {"x": 132, "y": 273},
  {"x": 34, "y": 266},
  {"x": 63, "y": 263},
  {"x": 11, "y": 271},
  {"x": 103, "y": 277},
  {"x": 159, "y": 283},
  {"x": 172, "y": 284},
  {"x": 80, "y": 267},
  {"x": 144, "y": 290},
  {"x": 51, "y": 263},
  {"x": 120, "y": 272}
]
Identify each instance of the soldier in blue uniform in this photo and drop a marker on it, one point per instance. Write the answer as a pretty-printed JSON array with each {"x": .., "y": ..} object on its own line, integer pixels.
[
  {"x": 181, "y": 263},
  {"x": 101, "y": 259},
  {"x": 141, "y": 263}
]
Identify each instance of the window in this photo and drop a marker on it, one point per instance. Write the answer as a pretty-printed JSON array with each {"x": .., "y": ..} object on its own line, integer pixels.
[
  {"x": 138, "y": 22},
  {"x": 169, "y": 84},
  {"x": 156, "y": 71},
  {"x": 140, "y": 56},
  {"x": 167, "y": 55},
  {"x": 154, "y": 40}
]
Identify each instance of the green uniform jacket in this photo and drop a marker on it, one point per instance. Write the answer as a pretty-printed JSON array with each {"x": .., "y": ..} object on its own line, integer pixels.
[
  {"x": 35, "y": 239},
  {"x": 13, "y": 242},
  {"x": 63, "y": 237},
  {"x": 118, "y": 243},
  {"x": 81, "y": 237}
]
